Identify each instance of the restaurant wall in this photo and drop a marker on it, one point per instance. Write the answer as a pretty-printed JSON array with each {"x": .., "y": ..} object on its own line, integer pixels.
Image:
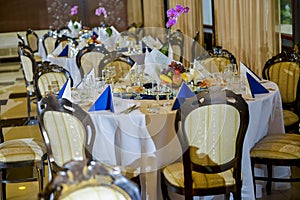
[{"x": 19, "y": 15}]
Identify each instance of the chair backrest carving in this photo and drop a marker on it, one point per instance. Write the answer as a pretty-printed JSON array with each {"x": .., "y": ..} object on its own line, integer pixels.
[{"x": 79, "y": 182}]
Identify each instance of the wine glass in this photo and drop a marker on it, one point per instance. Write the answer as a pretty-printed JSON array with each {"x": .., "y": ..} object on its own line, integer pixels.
[
  {"x": 111, "y": 73},
  {"x": 137, "y": 80},
  {"x": 157, "y": 89},
  {"x": 167, "y": 91}
]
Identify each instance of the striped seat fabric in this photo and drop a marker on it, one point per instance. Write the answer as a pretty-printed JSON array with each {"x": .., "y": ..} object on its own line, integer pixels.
[
  {"x": 19, "y": 150},
  {"x": 278, "y": 146},
  {"x": 276, "y": 150},
  {"x": 212, "y": 131},
  {"x": 284, "y": 70}
]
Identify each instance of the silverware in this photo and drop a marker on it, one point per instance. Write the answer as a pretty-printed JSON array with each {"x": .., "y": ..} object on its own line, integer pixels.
[
  {"x": 135, "y": 108},
  {"x": 128, "y": 110}
]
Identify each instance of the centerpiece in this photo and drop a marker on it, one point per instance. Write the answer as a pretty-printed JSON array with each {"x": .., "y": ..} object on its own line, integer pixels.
[
  {"x": 174, "y": 74},
  {"x": 73, "y": 24},
  {"x": 102, "y": 11}
]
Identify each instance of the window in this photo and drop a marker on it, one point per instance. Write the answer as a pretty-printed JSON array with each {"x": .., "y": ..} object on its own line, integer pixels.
[{"x": 286, "y": 16}]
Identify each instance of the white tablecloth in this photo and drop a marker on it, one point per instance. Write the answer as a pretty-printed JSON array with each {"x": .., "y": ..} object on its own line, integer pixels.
[
  {"x": 144, "y": 135},
  {"x": 69, "y": 64}
]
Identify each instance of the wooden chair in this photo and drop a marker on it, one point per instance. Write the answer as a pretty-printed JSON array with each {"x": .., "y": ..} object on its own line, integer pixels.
[
  {"x": 29, "y": 66},
  {"x": 90, "y": 180},
  {"x": 89, "y": 58},
  {"x": 122, "y": 64},
  {"x": 68, "y": 132},
  {"x": 49, "y": 78},
  {"x": 276, "y": 150},
  {"x": 283, "y": 69},
  {"x": 219, "y": 58},
  {"x": 20, "y": 39},
  {"x": 32, "y": 40},
  {"x": 49, "y": 40},
  {"x": 65, "y": 40},
  {"x": 213, "y": 128}
]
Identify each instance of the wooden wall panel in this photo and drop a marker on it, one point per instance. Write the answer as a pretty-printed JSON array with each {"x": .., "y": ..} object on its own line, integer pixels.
[{"x": 19, "y": 15}]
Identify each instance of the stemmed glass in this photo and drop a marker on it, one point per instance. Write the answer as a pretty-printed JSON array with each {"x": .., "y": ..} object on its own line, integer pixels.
[
  {"x": 137, "y": 79},
  {"x": 111, "y": 73},
  {"x": 157, "y": 89},
  {"x": 167, "y": 91}
]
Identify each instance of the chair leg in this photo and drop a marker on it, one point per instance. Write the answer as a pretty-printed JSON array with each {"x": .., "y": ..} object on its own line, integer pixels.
[
  {"x": 164, "y": 189},
  {"x": 253, "y": 176},
  {"x": 269, "y": 182},
  {"x": 28, "y": 107},
  {"x": 3, "y": 189}
]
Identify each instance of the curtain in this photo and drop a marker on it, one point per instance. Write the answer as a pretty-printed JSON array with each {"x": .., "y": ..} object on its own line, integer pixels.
[
  {"x": 134, "y": 12},
  {"x": 189, "y": 24},
  {"x": 250, "y": 29},
  {"x": 154, "y": 14}
]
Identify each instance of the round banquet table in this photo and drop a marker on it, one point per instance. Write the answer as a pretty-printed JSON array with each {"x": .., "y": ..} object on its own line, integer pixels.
[{"x": 147, "y": 141}]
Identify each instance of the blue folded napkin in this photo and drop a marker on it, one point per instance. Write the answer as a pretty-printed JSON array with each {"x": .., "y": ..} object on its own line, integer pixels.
[
  {"x": 65, "y": 91},
  {"x": 105, "y": 101},
  {"x": 64, "y": 52},
  {"x": 184, "y": 92},
  {"x": 255, "y": 86}
]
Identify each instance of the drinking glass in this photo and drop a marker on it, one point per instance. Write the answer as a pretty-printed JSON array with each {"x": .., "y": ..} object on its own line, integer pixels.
[
  {"x": 111, "y": 73},
  {"x": 167, "y": 90}
]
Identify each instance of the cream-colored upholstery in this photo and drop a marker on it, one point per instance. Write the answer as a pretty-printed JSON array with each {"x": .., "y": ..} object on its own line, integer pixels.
[
  {"x": 212, "y": 148},
  {"x": 27, "y": 67},
  {"x": 215, "y": 64},
  {"x": 46, "y": 80},
  {"x": 289, "y": 117},
  {"x": 32, "y": 42},
  {"x": 174, "y": 174},
  {"x": 211, "y": 128},
  {"x": 19, "y": 150},
  {"x": 91, "y": 60},
  {"x": 90, "y": 180},
  {"x": 122, "y": 68},
  {"x": 49, "y": 44},
  {"x": 67, "y": 136},
  {"x": 95, "y": 191}
]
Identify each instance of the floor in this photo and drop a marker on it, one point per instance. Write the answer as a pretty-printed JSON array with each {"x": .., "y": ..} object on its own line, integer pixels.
[{"x": 12, "y": 82}]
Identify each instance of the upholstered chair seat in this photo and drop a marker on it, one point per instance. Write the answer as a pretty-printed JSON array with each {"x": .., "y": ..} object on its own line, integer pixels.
[
  {"x": 290, "y": 117},
  {"x": 175, "y": 175},
  {"x": 19, "y": 150},
  {"x": 276, "y": 150},
  {"x": 278, "y": 146}
]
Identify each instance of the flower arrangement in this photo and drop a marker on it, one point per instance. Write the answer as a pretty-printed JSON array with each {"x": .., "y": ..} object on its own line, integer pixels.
[
  {"x": 175, "y": 73},
  {"x": 102, "y": 11},
  {"x": 174, "y": 13},
  {"x": 73, "y": 24},
  {"x": 74, "y": 14}
]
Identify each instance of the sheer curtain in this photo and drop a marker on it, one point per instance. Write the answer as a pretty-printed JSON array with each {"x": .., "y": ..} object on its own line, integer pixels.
[{"x": 248, "y": 29}]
